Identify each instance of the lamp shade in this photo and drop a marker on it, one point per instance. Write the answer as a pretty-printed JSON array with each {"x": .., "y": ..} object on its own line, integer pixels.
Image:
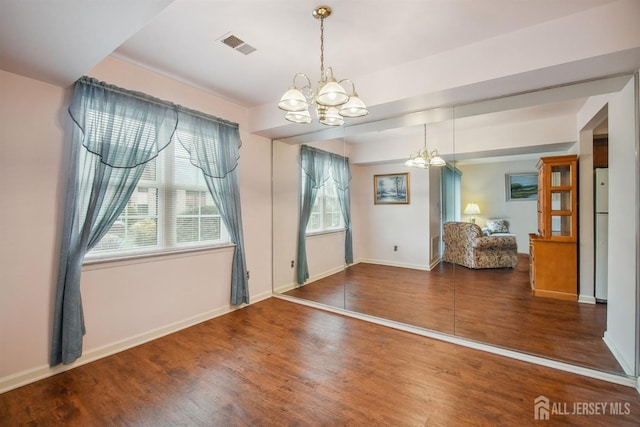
[
  {"x": 298, "y": 116},
  {"x": 438, "y": 161},
  {"x": 420, "y": 162},
  {"x": 330, "y": 117},
  {"x": 332, "y": 94},
  {"x": 354, "y": 107},
  {"x": 472, "y": 209},
  {"x": 293, "y": 100}
]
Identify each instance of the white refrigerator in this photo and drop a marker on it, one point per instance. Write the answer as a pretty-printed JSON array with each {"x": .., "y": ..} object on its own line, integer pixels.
[{"x": 601, "y": 188}]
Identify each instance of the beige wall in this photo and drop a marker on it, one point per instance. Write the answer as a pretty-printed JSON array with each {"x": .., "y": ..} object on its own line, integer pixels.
[
  {"x": 31, "y": 147},
  {"x": 125, "y": 303},
  {"x": 378, "y": 228},
  {"x": 484, "y": 184}
]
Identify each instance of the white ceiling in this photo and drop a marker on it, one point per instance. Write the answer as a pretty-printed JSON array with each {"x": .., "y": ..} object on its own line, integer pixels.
[
  {"x": 361, "y": 37},
  {"x": 59, "y": 41}
]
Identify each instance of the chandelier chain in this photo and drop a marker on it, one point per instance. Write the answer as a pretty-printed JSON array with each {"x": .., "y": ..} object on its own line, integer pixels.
[
  {"x": 425, "y": 136},
  {"x": 322, "y": 48}
]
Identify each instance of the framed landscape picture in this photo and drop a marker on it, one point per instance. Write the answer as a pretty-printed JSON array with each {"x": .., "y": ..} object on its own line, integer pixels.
[
  {"x": 391, "y": 189},
  {"x": 521, "y": 186}
]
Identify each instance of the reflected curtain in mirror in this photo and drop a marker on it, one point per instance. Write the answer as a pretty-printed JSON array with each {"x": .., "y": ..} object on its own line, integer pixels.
[
  {"x": 341, "y": 174},
  {"x": 451, "y": 193},
  {"x": 316, "y": 168}
]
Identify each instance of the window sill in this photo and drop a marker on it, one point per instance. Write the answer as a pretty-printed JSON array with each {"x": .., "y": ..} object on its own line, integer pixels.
[
  {"x": 99, "y": 264},
  {"x": 325, "y": 232}
]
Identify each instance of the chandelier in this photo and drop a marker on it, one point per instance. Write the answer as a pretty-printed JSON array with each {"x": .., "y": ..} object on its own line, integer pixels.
[
  {"x": 424, "y": 157},
  {"x": 332, "y": 102}
]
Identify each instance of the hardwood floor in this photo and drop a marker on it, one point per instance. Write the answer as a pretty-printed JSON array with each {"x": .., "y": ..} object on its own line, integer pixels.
[
  {"x": 493, "y": 306},
  {"x": 281, "y": 363}
]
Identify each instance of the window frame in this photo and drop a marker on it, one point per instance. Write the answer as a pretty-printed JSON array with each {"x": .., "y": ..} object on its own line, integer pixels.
[
  {"x": 167, "y": 240},
  {"x": 321, "y": 199}
]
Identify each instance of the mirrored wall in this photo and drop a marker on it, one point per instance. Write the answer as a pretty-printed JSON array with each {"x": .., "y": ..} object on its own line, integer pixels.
[{"x": 397, "y": 215}]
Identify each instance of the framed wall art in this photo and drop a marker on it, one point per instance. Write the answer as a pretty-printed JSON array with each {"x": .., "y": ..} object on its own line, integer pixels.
[
  {"x": 390, "y": 189},
  {"x": 521, "y": 186}
]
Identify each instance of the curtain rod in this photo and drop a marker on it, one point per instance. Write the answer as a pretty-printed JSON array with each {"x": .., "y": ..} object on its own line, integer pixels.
[{"x": 151, "y": 99}]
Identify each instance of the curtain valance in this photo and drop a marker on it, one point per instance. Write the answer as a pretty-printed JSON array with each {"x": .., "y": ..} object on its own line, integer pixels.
[
  {"x": 213, "y": 145},
  {"x": 110, "y": 119},
  {"x": 320, "y": 166}
]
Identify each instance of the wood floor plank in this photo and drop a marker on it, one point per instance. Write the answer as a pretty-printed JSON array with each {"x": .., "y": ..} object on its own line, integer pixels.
[
  {"x": 285, "y": 364},
  {"x": 493, "y": 306}
]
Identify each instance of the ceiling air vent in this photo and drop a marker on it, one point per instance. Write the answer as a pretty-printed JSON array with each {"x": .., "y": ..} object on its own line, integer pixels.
[
  {"x": 246, "y": 49},
  {"x": 238, "y": 44}
]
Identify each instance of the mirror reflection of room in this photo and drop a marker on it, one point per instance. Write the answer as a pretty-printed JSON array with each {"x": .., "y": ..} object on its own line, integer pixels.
[{"x": 456, "y": 256}]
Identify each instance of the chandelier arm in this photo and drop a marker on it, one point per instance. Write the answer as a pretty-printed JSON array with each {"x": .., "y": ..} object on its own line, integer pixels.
[
  {"x": 327, "y": 74},
  {"x": 353, "y": 85},
  {"x": 306, "y": 90},
  {"x": 307, "y": 86}
]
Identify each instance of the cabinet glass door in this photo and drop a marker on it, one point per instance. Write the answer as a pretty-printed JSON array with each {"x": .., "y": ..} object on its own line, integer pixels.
[
  {"x": 561, "y": 176},
  {"x": 561, "y": 200},
  {"x": 560, "y": 225}
]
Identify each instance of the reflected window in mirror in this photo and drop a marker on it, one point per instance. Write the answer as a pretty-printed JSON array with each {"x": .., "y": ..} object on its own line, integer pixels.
[{"x": 326, "y": 214}]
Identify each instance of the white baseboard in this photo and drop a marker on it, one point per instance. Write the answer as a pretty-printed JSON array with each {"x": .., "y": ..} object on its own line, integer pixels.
[
  {"x": 425, "y": 267},
  {"x": 28, "y": 376},
  {"x": 285, "y": 288},
  {"x": 617, "y": 354},
  {"x": 289, "y": 286},
  {"x": 587, "y": 299}
]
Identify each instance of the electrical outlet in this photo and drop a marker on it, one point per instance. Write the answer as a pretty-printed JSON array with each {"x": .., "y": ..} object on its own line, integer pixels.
[
  {"x": 292, "y": 263},
  {"x": 247, "y": 274},
  {"x": 395, "y": 248}
]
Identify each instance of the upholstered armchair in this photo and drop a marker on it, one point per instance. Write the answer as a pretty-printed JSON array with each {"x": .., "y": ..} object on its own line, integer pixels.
[{"x": 465, "y": 244}]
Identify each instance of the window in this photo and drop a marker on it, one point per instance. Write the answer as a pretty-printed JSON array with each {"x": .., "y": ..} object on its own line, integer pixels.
[
  {"x": 326, "y": 214},
  {"x": 170, "y": 209}
]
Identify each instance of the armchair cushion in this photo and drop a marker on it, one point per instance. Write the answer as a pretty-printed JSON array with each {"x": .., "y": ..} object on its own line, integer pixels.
[
  {"x": 465, "y": 244},
  {"x": 497, "y": 226},
  {"x": 493, "y": 242}
]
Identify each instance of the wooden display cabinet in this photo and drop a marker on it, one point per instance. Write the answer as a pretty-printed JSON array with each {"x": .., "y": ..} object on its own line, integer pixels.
[{"x": 553, "y": 250}]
